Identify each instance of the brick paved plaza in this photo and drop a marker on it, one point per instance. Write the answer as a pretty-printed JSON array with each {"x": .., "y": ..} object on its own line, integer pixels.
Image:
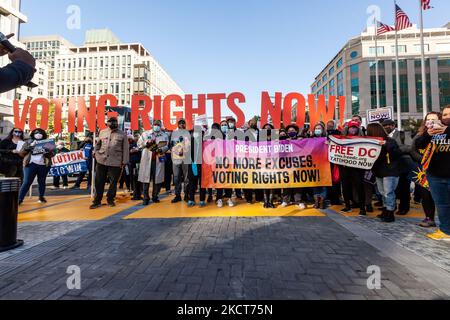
[{"x": 242, "y": 253}]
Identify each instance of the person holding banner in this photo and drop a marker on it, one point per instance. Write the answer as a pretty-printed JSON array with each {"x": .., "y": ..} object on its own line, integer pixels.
[
  {"x": 334, "y": 192},
  {"x": 269, "y": 193},
  {"x": 252, "y": 135},
  {"x": 235, "y": 133},
  {"x": 61, "y": 148},
  {"x": 11, "y": 163},
  {"x": 224, "y": 193},
  {"x": 320, "y": 193},
  {"x": 87, "y": 146},
  {"x": 37, "y": 154},
  {"x": 111, "y": 154},
  {"x": 293, "y": 193},
  {"x": 353, "y": 178},
  {"x": 195, "y": 169},
  {"x": 437, "y": 138},
  {"x": 154, "y": 145},
  {"x": 387, "y": 170}
]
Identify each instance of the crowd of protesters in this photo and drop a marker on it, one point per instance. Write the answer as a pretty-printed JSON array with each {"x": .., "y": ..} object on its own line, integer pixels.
[{"x": 156, "y": 159}]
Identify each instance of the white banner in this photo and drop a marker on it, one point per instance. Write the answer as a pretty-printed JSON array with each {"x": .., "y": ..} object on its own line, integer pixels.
[{"x": 354, "y": 152}]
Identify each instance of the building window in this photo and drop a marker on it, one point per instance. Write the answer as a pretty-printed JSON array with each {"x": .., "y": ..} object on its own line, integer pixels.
[
  {"x": 373, "y": 66},
  {"x": 373, "y": 91},
  {"x": 444, "y": 63},
  {"x": 354, "y": 68},
  {"x": 404, "y": 97},
  {"x": 354, "y": 54},
  {"x": 381, "y": 83},
  {"x": 419, "y": 94},
  {"x": 401, "y": 49},
  {"x": 372, "y": 50},
  {"x": 355, "y": 95},
  {"x": 331, "y": 72},
  {"x": 339, "y": 63},
  {"x": 444, "y": 88},
  {"x": 417, "y": 48},
  {"x": 324, "y": 78},
  {"x": 444, "y": 81},
  {"x": 340, "y": 84},
  {"x": 401, "y": 64}
]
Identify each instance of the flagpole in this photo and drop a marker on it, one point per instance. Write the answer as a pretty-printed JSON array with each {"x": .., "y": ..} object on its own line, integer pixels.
[
  {"x": 424, "y": 75},
  {"x": 376, "y": 65},
  {"x": 397, "y": 71}
]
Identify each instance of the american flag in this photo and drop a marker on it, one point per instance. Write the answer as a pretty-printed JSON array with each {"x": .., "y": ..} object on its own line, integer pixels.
[
  {"x": 401, "y": 19},
  {"x": 383, "y": 28},
  {"x": 426, "y": 4}
]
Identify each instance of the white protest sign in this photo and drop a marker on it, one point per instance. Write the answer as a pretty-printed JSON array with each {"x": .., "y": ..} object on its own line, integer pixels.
[
  {"x": 354, "y": 152},
  {"x": 377, "y": 115}
]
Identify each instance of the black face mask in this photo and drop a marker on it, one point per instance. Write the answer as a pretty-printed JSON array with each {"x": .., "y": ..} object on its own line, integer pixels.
[
  {"x": 283, "y": 138},
  {"x": 446, "y": 122}
]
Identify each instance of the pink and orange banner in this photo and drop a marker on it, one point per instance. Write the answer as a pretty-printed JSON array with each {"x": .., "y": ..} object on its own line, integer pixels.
[{"x": 266, "y": 165}]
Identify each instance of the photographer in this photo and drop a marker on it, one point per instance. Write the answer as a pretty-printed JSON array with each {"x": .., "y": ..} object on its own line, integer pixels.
[
  {"x": 11, "y": 163},
  {"x": 19, "y": 72}
]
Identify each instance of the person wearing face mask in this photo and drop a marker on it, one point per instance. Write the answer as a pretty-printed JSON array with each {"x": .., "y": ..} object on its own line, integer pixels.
[
  {"x": 290, "y": 194},
  {"x": 386, "y": 170},
  {"x": 407, "y": 166},
  {"x": 87, "y": 147},
  {"x": 135, "y": 160},
  {"x": 35, "y": 163},
  {"x": 234, "y": 132},
  {"x": 125, "y": 177},
  {"x": 357, "y": 129},
  {"x": 224, "y": 193},
  {"x": 180, "y": 150},
  {"x": 111, "y": 154},
  {"x": 252, "y": 135},
  {"x": 154, "y": 145},
  {"x": 437, "y": 142},
  {"x": 195, "y": 169},
  {"x": 268, "y": 130},
  {"x": 61, "y": 148},
  {"x": 352, "y": 179},
  {"x": 334, "y": 192},
  {"x": 11, "y": 163},
  {"x": 426, "y": 199},
  {"x": 320, "y": 193}
]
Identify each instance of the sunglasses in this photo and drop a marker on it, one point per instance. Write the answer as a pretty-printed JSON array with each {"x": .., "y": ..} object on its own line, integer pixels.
[{"x": 17, "y": 131}]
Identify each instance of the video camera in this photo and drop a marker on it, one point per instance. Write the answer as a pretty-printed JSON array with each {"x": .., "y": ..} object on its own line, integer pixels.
[{"x": 11, "y": 48}]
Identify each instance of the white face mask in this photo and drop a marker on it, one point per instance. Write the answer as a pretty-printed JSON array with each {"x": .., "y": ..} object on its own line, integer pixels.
[{"x": 38, "y": 136}]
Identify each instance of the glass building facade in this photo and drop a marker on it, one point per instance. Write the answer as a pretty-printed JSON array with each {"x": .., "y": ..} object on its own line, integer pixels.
[
  {"x": 444, "y": 82},
  {"x": 404, "y": 94},
  {"x": 373, "y": 85},
  {"x": 354, "y": 76}
]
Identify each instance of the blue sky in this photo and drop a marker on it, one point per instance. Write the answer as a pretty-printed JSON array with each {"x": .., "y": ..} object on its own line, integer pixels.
[{"x": 211, "y": 46}]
